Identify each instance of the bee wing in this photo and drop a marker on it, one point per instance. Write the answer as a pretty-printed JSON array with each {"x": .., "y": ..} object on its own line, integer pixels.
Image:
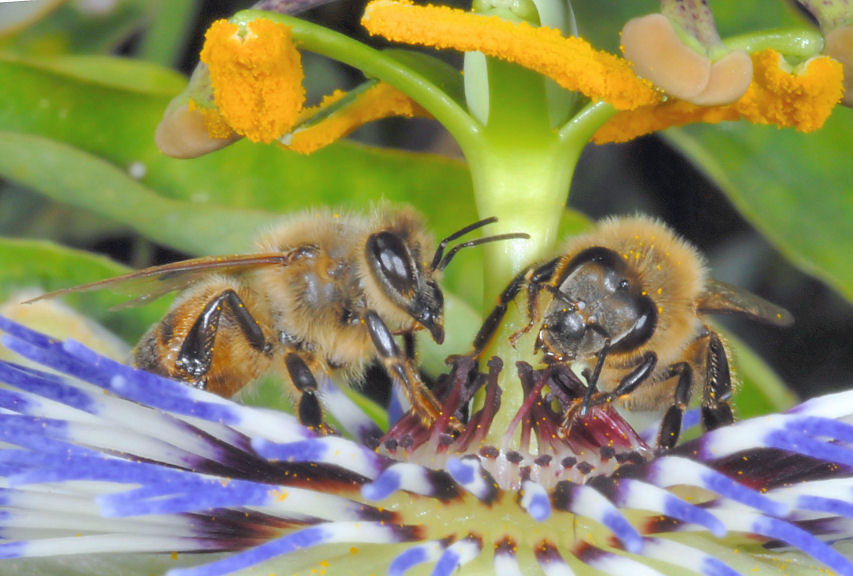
[
  {"x": 152, "y": 283},
  {"x": 721, "y": 297}
]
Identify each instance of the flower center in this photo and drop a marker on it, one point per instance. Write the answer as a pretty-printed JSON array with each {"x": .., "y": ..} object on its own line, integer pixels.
[{"x": 539, "y": 444}]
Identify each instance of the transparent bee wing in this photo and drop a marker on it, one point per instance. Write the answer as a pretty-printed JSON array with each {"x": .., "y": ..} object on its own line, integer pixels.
[
  {"x": 720, "y": 297},
  {"x": 152, "y": 283}
]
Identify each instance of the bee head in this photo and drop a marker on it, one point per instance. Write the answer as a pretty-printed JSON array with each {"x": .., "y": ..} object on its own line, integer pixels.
[
  {"x": 405, "y": 282},
  {"x": 411, "y": 285},
  {"x": 598, "y": 300}
]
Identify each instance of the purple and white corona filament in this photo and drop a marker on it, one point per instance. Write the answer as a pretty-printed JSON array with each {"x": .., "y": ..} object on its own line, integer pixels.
[{"x": 101, "y": 463}]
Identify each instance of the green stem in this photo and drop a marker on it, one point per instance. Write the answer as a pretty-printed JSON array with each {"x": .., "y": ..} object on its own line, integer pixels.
[
  {"x": 521, "y": 171},
  {"x": 518, "y": 171},
  {"x": 373, "y": 63},
  {"x": 795, "y": 43},
  {"x": 580, "y": 129}
]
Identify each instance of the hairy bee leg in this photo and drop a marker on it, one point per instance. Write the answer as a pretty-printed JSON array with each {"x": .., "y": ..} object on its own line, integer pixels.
[
  {"x": 493, "y": 320},
  {"x": 401, "y": 369},
  {"x": 717, "y": 389},
  {"x": 670, "y": 427},
  {"x": 309, "y": 410},
  {"x": 534, "y": 278},
  {"x": 196, "y": 352},
  {"x": 537, "y": 281},
  {"x": 409, "y": 345}
]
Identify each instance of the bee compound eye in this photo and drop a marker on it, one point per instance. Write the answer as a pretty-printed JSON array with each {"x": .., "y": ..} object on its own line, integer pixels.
[
  {"x": 642, "y": 313},
  {"x": 391, "y": 262}
]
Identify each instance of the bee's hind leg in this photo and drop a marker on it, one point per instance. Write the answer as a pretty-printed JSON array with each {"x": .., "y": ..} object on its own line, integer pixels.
[
  {"x": 712, "y": 363},
  {"x": 196, "y": 354},
  {"x": 716, "y": 410}
]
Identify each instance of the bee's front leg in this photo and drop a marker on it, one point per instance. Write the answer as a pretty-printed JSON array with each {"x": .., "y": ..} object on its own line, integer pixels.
[
  {"x": 627, "y": 385},
  {"x": 401, "y": 369}
]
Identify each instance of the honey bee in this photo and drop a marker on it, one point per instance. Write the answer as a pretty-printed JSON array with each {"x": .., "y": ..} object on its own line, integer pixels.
[
  {"x": 625, "y": 306},
  {"x": 325, "y": 294}
]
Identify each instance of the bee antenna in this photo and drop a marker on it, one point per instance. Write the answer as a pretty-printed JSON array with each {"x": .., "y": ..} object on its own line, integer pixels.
[
  {"x": 452, "y": 252},
  {"x": 439, "y": 252}
]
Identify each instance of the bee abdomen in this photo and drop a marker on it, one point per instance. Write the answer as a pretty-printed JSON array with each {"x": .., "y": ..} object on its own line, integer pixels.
[{"x": 147, "y": 354}]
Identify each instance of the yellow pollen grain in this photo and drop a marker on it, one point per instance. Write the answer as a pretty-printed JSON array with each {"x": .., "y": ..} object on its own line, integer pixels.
[
  {"x": 214, "y": 123},
  {"x": 571, "y": 62},
  {"x": 380, "y": 101},
  {"x": 801, "y": 100},
  {"x": 256, "y": 77}
]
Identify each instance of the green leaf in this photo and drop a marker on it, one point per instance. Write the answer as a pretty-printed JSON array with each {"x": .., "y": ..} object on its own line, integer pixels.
[
  {"x": 27, "y": 265},
  {"x": 796, "y": 189},
  {"x": 54, "y": 101},
  {"x": 73, "y": 27},
  {"x": 80, "y": 179},
  {"x": 110, "y": 72},
  {"x": 121, "y": 127}
]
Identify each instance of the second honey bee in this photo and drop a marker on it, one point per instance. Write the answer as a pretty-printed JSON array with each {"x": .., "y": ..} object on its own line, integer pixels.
[
  {"x": 625, "y": 305},
  {"x": 325, "y": 294}
]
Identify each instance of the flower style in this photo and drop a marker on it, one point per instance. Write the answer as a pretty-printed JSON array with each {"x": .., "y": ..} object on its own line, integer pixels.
[{"x": 100, "y": 458}]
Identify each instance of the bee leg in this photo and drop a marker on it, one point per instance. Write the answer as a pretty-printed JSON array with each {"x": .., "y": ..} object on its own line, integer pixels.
[
  {"x": 626, "y": 386},
  {"x": 309, "y": 410},
  {"x": 670, "y": 427},
  {"x": 196, "y": 352},
  {"x": 716, "y": 410},
  {"x": 534, "y": 278},
  {"x": 538, "y": 280},
  {"x": 409, "y": 345},
  {"x": 401, "y": 369},
  {"x": 493, "y": 320}
]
